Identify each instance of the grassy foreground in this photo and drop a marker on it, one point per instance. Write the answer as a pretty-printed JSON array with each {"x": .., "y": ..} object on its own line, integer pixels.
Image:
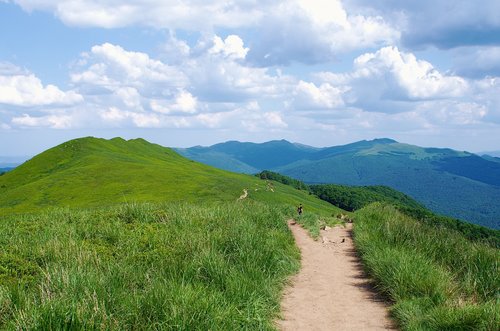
[
  {"x": 146, "y": 266},
  {"x": 437, "y": 278}
]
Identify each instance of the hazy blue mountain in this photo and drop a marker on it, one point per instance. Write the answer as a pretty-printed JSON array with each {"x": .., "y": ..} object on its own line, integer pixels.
[
  {"x": 216, "y": 159},
  {"x": 351, "y": 148},
  {"x": 12, "y": 161},
  {"x": 491, "y": 158},
  {"x": 249, "y": 157},
  {"x": 491, "y": 153},
  {"x": 2, "y": 170},
  {"x": 457, "y": 184}
]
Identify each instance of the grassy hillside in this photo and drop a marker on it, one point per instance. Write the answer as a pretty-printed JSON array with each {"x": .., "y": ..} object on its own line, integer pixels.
[
  {"x": 94, "y": 172},
  {"x": 491, "y": 158},
  {"x": 195, "y": 257},
  {"x": 199, "y": 258},
  {"x": 266, "y": 174},
  {"x": 437, "y": 279},
  {"x": 217, "y": 266},
  {"x": 352, "y": 198},
  {"x": 217, "y": 159}
]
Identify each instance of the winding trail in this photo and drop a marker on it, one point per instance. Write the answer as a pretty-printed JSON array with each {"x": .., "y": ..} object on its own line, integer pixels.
[
  {"x": 331, "y": 291},
  {"x": 244, "y": 195}
]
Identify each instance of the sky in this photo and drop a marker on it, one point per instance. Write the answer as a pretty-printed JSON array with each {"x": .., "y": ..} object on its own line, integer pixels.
[{"x": 200, "y": 72}]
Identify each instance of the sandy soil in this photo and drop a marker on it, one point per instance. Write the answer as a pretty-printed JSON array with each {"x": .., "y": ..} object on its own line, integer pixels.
[
  {"x": 244, "y": 195},
  {"x": 331, "y": 291}
]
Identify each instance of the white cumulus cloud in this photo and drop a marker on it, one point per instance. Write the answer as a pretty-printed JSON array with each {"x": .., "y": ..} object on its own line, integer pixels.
[
  {"x": 417, "y": 79},
  {"x": 110, "y": 66},
  {"x": 184, "y": 102},
  {"x": 286, "y": 30},
  {"x": 316, "y": 31},
  {"x": 308, "y": 96},
  {"x": 477, "y": 62},
  {"x": 188, "y": 15},
  {"x": 231, "y": 47},
  {"x": 21, "y": 88},
  {"x": 391, "y": 81},
  {"x": 441, "y": 23},
  {"x": 55, "y": 121}
]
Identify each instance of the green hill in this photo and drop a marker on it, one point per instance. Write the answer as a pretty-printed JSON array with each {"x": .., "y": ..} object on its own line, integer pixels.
[
  {"x": 115, "y": 234},
  {"x": 130, "y": 235},
  {"x": 94, "y": 172}
]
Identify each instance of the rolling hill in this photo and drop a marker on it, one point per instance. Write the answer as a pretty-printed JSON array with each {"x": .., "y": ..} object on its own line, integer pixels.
[
  {"x": 183, "y": 252},
  {"x": 457, "y": 184},
  {"x": 129, "y": 235},
  {"x": 91, "y": 172}
]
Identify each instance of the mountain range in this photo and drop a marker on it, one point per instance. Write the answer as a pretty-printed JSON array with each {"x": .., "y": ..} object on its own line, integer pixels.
[
  {"x": 454, "y": 183},
  {"x": 495, "y": 154}
]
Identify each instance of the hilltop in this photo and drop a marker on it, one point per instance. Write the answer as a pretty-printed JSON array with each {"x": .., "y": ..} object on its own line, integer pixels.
[
  {"x": 116, "y": 234},
  {"x": 89, "y": 172},
  {"x": 454, "y": 183}
]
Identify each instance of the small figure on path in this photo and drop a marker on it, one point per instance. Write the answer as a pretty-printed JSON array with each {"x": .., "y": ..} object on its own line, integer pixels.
[{"x": 300, "y": 209}]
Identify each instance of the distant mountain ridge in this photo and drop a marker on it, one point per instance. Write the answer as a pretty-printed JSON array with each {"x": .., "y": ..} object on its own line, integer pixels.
[
  {"x": 249, "y": 157},
  {"x": 490, "y": 153},
  {"x": 455, "y": 183}
]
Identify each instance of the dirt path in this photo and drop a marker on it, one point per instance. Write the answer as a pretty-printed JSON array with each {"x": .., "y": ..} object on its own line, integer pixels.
[
  {"x": 331, "y": 292},
  {"x": 244, "y": 195}
]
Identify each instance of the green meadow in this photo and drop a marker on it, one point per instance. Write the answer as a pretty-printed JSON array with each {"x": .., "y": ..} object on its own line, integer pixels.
[
  {"x": 127, "y": 235},
  {"x": 214, "y": 266}
]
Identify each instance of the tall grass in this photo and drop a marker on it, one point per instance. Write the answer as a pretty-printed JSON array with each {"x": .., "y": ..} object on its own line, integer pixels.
[
  {"x": 437, "y": 278},
  {"x": 313, "y": 222},
  {"x": 146, "y": 266}
]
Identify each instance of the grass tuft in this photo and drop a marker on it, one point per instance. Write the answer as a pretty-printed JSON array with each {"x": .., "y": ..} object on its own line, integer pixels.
[
  {"x": 146, "y": 266},
  {"x": 437, "y": 278}
]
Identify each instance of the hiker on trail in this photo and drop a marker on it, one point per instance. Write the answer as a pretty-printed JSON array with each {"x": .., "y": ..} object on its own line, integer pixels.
[{"x": 299, "y": 210}]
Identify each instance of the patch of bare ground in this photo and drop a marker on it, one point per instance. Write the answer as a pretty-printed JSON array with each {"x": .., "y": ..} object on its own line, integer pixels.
[{"x": 331, "y": 291}]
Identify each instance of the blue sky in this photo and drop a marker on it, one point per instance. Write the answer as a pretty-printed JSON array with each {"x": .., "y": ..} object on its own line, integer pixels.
[{"x": 183, "y": 73}]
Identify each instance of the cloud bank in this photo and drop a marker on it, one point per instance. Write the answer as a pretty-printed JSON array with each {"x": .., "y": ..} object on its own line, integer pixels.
[{"x": 351, "y": 68}]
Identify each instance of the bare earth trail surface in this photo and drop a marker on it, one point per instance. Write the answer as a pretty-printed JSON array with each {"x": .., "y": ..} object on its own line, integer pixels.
[
  {"x": 244, "y": 195},
  {"x": 331, "y": 291}
]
